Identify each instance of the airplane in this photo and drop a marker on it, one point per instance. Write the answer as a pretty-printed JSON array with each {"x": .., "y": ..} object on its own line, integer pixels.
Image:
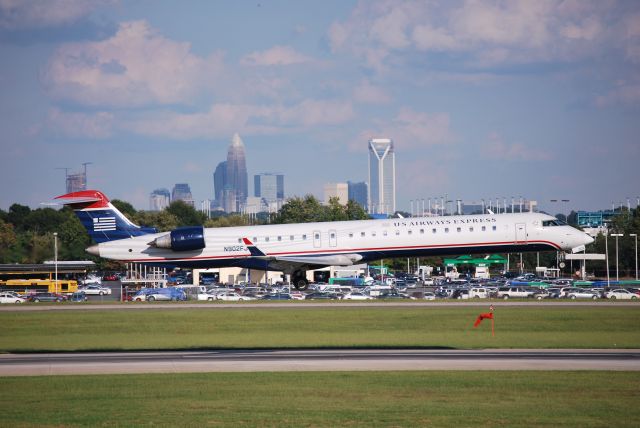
[{"x": 296, "y": 248}]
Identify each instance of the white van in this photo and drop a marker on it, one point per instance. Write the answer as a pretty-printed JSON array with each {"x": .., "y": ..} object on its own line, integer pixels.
[{"x": 478, "y": 293}]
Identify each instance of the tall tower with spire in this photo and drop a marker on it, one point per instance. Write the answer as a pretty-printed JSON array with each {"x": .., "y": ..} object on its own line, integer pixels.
[{"x": 237, "y": 178}]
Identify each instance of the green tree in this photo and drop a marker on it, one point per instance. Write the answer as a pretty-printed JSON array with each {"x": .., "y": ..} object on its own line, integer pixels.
[
  {"x": 161, "y": 220},
  {"x": 186, "y": 214},
  {"x": 7, "y": 240},
  {"x": 125, "y": 208},
  {"x": 17, "y": 216}
]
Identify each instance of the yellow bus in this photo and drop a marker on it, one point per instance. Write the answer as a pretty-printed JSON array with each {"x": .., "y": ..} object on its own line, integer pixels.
[{"x": 31, "y": 286}]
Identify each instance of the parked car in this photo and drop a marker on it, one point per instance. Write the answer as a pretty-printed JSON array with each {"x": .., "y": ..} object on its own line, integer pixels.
[
  {"x": 168, "y": 293},
  {"x": 514, "y": 292},
  {"x": 541, "y": 293},
  {"x": 395, "y": 296},
  {"x": 320, "y": 296},
  {"x": 47, "y": 297},
  {"x": 96, "y": 290},
  {"x": 9, "y": 297},
  {"x": 110, "y": 277},
  {"x": 78, "y": 296},
  {"x": 620, "y": 293},
  {"x": 478, "y": 293},
  {"x": 355, "y": 295},
  {"x": 209, "y": 296},
  {"x": 580, "y": 293},
  {"x": 232, "y": 296},
  {"x": 91, "y": 279},
  {"x": 429, "y": 296},
  {"x": 461, "y": 293},
  {"x": 276, "y": 297}
]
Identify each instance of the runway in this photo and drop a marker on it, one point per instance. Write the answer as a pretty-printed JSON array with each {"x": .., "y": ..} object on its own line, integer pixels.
[{"x": 315, "y": 360}]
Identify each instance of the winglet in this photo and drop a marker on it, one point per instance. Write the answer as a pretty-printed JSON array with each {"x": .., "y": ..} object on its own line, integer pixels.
[{"x": 255, "y": 251}]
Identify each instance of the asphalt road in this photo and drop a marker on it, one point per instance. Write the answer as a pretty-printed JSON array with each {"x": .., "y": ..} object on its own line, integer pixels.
[{"x": 315, "y": 360}]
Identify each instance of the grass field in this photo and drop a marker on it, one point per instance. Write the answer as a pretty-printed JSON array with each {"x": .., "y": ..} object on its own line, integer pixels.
[
  {"x": 332, "y": 326},
  {"x": 402, "y": 399}
]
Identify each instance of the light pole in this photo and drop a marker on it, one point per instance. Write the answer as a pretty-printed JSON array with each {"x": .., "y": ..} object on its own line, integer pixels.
[
  {"x": 606, "y": 253},
  {"x": 635, "y": 235},
  {"x": 617, "y": 235},
  {"x": 55, "y": 256}
]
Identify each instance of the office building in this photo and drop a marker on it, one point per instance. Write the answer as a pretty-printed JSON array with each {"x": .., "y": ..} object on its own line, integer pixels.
[
  {"x": 269, "y": 187},
  {"x": 182, "y": 192},
  {"x": 236, "y": 177},
  {"x": 159, "y": 199},
  {"x": 382, "y": 176},
  {"x": 219, "y": 182},
  {"x": 358, "y": 192},
  {"x": 336, "y": 190}
]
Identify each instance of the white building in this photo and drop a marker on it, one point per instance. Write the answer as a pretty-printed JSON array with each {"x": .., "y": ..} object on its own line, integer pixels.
[
  {"x": 339, "y": 190},
  {"x": 382, "y": 176}
]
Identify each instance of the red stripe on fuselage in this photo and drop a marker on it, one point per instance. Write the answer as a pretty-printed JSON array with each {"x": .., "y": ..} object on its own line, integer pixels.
[{"x": 351, "y": 250}]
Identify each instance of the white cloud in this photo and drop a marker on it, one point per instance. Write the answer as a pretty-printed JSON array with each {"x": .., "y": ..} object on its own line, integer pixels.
[
  {"x": 624, "y": 93},
  {"x": 80, "y": 125},
  {"x": 410, "y": 130},
  {"x": 497, "y": 149},
  {"x": 277, "y": 55},
  {"x": 135, "y": 67},
  {"x": 367, "y": 93},
  {"x": 30, "y": 14},
  {"x": 487, "y": 33},
  {"x": 221, "y": 120}
]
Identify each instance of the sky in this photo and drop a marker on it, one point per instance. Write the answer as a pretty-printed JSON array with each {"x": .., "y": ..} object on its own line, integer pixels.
[{"x": 483, "y": 99}]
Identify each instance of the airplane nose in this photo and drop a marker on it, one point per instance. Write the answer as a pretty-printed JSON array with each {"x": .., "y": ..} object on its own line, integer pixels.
[
  {"x": 94, "y": 250},
  {"x": 588, "y": 239}
]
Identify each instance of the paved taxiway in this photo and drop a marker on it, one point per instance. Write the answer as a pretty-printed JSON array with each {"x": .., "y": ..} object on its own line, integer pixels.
[{"x": 315, "y": 360}]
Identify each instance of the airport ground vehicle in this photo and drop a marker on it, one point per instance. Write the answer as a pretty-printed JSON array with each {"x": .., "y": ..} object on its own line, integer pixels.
[
  {"x": 620, "y": 293},
  {"x": 8, "y": 297}
]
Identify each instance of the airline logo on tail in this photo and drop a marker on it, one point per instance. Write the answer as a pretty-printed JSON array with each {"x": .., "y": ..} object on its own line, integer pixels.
[
  {"x": 103, "y": 224},
  {"x": 255, "y": 251},
  {"x": 100, "y": 218}
]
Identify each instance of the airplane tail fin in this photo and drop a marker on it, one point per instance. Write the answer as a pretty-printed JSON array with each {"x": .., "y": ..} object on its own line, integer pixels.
[{"x": 103, "y": 221}]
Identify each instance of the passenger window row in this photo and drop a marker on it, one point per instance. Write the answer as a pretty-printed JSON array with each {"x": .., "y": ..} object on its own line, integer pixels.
[{"x": 364, "y": 234}]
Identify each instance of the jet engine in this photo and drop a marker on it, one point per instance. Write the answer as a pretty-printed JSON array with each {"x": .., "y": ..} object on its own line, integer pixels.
[{"x": 181, "y": 239}]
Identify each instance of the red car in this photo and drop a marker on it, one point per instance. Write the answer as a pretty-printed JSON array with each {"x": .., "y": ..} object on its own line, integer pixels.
[{"x": 110, "y": 277}]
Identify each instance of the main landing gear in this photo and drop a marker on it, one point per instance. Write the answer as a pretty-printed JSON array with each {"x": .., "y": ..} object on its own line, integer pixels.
[{"x": 299, "y": 280}]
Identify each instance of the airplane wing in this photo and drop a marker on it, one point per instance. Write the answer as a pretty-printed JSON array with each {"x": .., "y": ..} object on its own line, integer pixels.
[{"x": 288, "y": 263}]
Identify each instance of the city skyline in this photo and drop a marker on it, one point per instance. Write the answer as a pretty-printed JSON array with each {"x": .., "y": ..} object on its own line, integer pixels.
[{"x": 483, "y": 99}]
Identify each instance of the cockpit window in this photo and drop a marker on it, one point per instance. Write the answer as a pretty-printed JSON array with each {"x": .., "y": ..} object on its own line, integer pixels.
[{"x": 554, "y": 222}]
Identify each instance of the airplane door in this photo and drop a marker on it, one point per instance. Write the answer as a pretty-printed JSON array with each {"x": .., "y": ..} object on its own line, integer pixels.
[
  {"x": 333, "y": 238},
  {"x": 521, "y": 233},
  {"x": 317, "y": 239}
]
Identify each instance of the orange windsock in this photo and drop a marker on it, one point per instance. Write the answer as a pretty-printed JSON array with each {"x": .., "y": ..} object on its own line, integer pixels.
[{"x": 488, "y": 315}]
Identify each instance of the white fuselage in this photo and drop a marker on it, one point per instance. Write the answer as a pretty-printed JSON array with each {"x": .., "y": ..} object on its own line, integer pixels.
[{"x": 368, "y": 239}]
